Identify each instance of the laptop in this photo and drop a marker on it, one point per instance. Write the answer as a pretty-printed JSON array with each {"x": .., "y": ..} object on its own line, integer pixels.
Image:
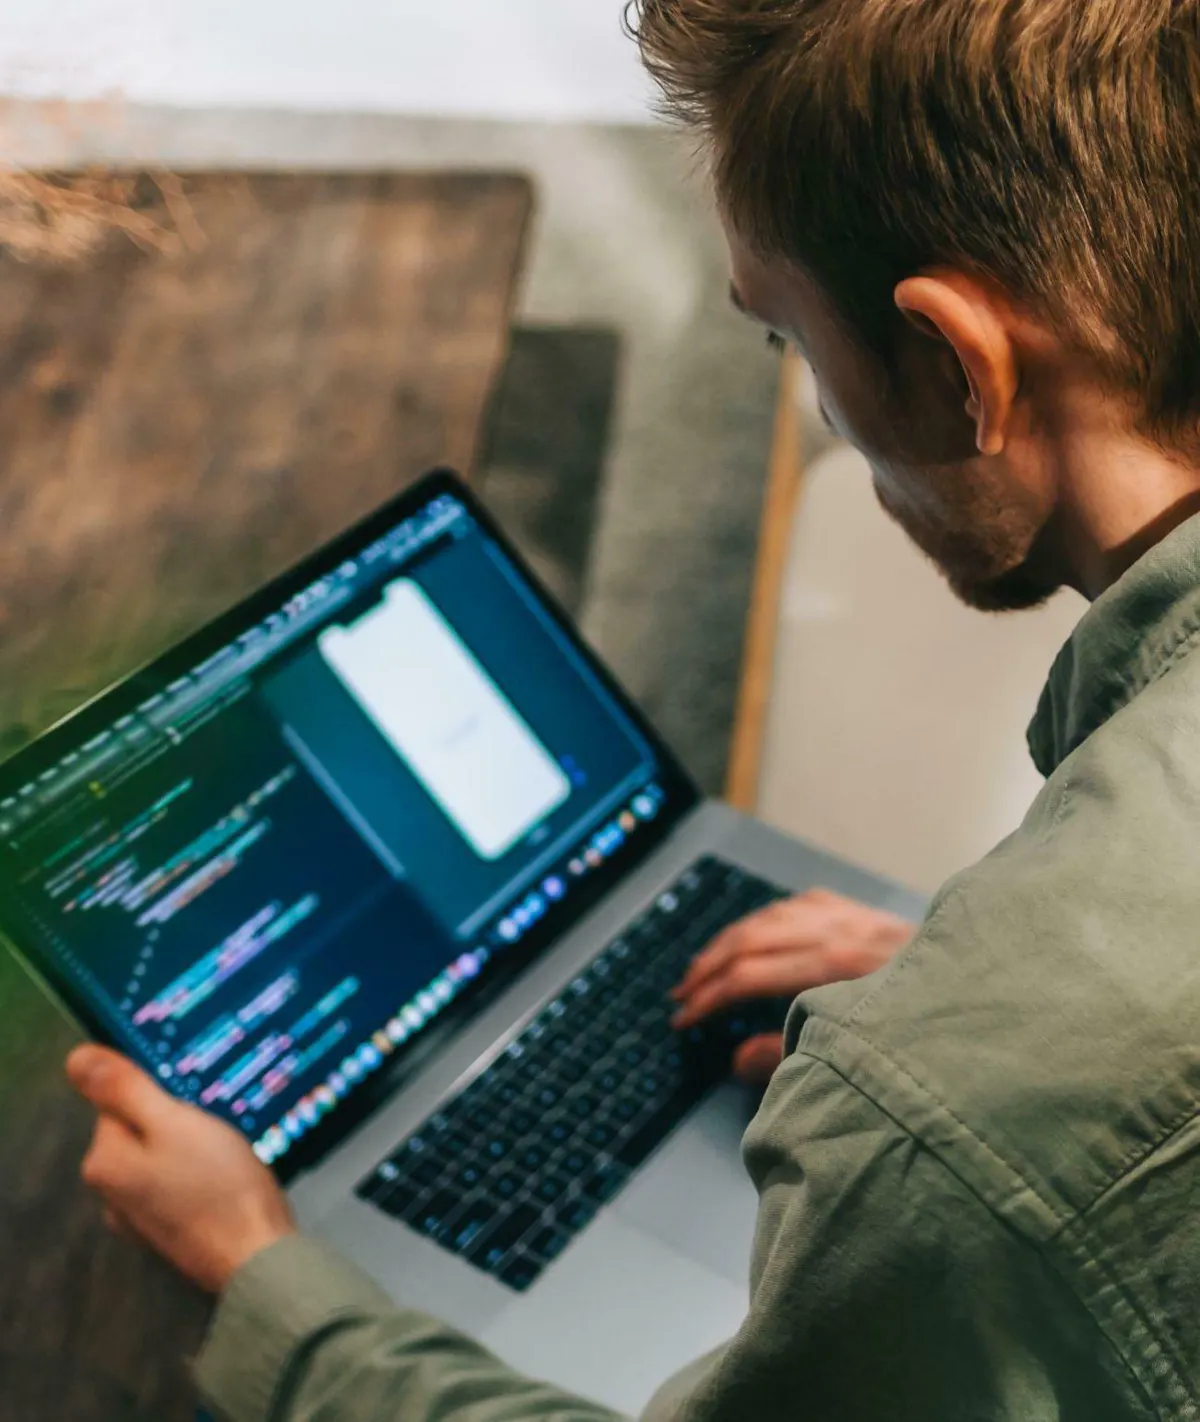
[{"x": 384, "y": 868}]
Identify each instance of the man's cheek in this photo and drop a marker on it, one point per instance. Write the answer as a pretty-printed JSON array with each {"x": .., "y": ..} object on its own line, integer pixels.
[
  {"x": 903, "y": 504},
  {"x": 865, "y": 430}
]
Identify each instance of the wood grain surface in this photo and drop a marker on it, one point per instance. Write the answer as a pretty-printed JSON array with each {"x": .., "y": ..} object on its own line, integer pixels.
[
  {"x": 784, "y": 481},
  {"x": 174, "y": 429}
]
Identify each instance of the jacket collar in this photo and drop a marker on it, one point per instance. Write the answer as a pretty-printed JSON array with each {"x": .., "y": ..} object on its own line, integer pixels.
[{"x": 1128, "y": 638}]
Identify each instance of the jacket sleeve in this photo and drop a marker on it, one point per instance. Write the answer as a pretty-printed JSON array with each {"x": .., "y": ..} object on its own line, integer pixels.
[
  {"x": 882, "y": 1287},
  {"x": 302, "y": 1335}
]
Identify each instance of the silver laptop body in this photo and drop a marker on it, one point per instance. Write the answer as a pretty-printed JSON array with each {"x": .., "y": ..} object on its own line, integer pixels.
[{"x": 660, "y": 1276}]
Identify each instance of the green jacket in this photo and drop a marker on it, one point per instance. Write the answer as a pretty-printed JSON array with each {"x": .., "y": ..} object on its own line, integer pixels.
[{"x": 979, "y": 1169}]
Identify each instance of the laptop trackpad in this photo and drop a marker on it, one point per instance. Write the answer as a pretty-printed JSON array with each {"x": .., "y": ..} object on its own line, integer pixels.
[
  {"x": 694, "y": 1194},
  {"x": 616, "y": 1316}
]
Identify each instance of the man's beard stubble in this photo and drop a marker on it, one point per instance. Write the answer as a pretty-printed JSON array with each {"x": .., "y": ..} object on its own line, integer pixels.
[{"x": 991, "y": 550}]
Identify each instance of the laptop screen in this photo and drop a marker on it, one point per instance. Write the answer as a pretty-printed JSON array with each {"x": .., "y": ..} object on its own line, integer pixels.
[{"x": 266, "y": 871}]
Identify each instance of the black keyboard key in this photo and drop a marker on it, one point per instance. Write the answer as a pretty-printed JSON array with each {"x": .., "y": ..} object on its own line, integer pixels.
[
  {"x": 575, "y": 1215},
  {"x": 520, "y": 1123},
  {"x": 441, "y": 1123},
  {"x": 651, "y": 1133},
  {"x": 496, "y": 1147},
  {"x": 547, "y": 1097},
  {"x": 643, "y": 1003},
  {"x": 377, "y": 1187},
  {"x": 605, "y": 1183},
  {"x": 559, "y": 1131},
  {"x": 453, "y": 1144},
  {"x": 412, "y": 1149},
  {"x": 505, "y": 1187},
  {"x": 547, "y": 1244},
  {"x": 399, "y": 1201},
  {"x": 532, "y": 1157},
  {"x": 575, "y": 1162},
  {"x": 433, "y": 1215},
  {"x": 469, "y": 1176},
  {"x": 599, "y": 1033},
  {"x": 551, "y": 1188},
  {"x": 471, "y": 1096},
  {"x": 490, "y": 1249},
  {"x": 655, "y": 1013},
  {"x": 537, "y": 1066},
  {"x": 600, "y": 1134},
  {"x": 426, "y": 1172},
  {"x": 662, "y": 978},
  {"x": 519, "y": 1273},
  {"x": 471, "y": 1223},
  {"x": 583, "y": 1105},
  {"x": 627, "y": 1108}
]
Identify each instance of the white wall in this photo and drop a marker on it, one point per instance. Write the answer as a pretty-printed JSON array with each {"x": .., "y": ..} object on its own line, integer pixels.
[
  {"x": 541, "y": 59},
  {"x": 896, "y": 731}
]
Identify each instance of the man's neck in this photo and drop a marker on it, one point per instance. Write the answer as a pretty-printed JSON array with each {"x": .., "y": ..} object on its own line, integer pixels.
[{"x": 1119, "y": 496}]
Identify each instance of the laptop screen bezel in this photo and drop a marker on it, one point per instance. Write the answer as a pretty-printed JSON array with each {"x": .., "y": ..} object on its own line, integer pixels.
[{"x": 47, "y": 750}]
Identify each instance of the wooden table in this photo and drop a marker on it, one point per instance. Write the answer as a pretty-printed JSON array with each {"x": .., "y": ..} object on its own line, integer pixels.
[{"x": 174, "y": 429}]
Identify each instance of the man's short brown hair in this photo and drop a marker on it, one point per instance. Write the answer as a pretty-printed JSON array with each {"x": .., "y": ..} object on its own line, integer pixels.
[{"x": 1051, "y": 145}]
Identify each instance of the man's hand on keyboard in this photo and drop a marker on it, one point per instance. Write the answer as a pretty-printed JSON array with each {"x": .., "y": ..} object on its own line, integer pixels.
[
  {"x": 784, "y": 950},
  {"x": 181, "y": 1180}
]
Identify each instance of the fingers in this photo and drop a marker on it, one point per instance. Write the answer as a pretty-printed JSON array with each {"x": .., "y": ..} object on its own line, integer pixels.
[
  {"x": 107, "y": 1168},
  {"x": 756, "y": 1061},
  {"x": 116, "y": 1087},
  {"x": 111, "y": 1164},
  {"x": 777, "y": 928},
  {"x": 744, "y": 980},
  {"x": 796, "y": 944}
]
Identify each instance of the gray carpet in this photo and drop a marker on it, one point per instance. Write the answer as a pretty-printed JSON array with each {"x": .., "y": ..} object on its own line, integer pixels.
[{"x": 648, "y": 524}]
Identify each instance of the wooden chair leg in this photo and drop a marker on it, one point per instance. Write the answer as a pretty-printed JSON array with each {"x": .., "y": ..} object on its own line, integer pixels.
[{"x": 758, "y": 662}]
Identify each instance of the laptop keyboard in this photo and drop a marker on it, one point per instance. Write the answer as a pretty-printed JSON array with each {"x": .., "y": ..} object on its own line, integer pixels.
[{"x": 505, "y": 1173}]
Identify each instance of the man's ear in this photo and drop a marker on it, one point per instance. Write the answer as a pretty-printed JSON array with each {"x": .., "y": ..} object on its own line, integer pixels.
[{"x": 959, "y": 311}]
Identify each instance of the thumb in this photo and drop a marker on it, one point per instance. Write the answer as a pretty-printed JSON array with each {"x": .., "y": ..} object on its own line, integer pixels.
[
  {"x": 115, "y": 1086},
  {"x": 757, "y": 1060}
]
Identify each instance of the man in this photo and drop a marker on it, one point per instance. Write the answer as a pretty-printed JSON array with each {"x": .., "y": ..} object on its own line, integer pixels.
[{"x": 979, "y": 1165}]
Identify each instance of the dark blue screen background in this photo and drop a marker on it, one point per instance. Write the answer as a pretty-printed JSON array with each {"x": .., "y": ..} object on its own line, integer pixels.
[{"x": 572, "y": 717}]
